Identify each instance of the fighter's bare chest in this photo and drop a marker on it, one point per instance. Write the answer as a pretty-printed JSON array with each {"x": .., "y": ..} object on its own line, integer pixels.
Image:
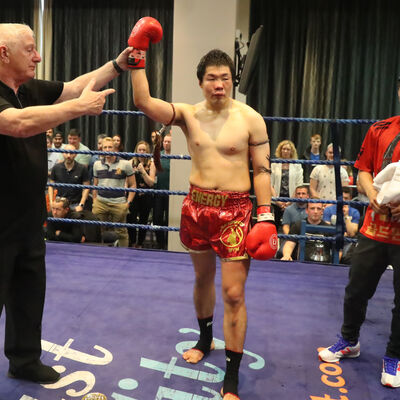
[{"x": 226, "y": 135}]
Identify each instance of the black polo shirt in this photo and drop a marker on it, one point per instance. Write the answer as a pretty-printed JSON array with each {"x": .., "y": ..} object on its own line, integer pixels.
[
  {"x": 23, "y": 163},
  {"x": 77, "y": 175}
]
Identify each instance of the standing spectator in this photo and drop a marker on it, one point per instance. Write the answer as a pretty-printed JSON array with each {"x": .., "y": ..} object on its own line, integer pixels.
[
  {"x": 96, "y": 157},
  {"x": 291, "y": 248},
  {"x": 62, "y": 231},
  {"x": 70, "y": 171},
  {"x": 52, "y": 158},
  {"x": 28, "y": 107},
  {"x": 74, "y": 138},
  {"x": 378, "y": 246},
  {"x": 118, "y": 145},
  {"x": 153, "y": 140},
  {"x": 322, "y": 178},
  {"x": 349, "y": 170},
  {"x": 161, "y": 202},
  {"x": 58, "y": 141},
  {"x": 312, "y": 152},
  {"x": 285, "y": 177},
  {"x": 111, "y": 205},
  {"x": 139, "y": 210}
]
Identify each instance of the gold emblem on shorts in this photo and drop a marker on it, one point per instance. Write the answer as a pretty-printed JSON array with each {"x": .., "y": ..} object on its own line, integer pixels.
[{"x": 232, "y": 234}]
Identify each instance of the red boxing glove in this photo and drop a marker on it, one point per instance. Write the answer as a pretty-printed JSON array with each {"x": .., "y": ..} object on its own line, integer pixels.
[
  {"x": 146, "y": 30},
  {"x": 262, "y": 240}
]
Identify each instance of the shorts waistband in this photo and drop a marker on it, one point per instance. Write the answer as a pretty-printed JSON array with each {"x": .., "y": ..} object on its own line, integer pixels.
[{"x": 216, "y": 198}]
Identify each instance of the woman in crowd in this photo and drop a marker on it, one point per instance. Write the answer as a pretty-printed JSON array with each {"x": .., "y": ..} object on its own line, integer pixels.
[{"x": 285, "y": 177}]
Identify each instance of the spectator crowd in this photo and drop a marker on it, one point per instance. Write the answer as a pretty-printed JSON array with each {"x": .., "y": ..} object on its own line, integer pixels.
[
  {"x": 119, "y": 205},
  {"x": 288, "y": 180}
]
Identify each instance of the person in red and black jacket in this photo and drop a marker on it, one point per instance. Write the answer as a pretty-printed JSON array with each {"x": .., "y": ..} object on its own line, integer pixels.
[{"x": 378, "y": 246}]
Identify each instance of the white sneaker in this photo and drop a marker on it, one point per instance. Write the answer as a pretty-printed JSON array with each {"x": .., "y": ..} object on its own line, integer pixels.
[
  {"x": 391, "y": 372},
  {"x": 341, "y": 349}
]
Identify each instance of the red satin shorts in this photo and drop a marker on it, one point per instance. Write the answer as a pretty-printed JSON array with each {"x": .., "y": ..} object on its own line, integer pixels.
[{"x": 218, "y": 220}]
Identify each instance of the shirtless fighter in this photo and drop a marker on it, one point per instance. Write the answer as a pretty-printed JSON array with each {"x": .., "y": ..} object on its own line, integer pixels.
[{"x": 221, "y": 133}]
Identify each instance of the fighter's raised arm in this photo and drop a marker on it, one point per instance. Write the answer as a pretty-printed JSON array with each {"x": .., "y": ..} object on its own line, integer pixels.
[{"x": 147, "y": 30}]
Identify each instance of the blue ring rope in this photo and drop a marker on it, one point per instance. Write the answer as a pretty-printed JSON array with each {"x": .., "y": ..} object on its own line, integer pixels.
[{"x": 338, "y": 238}]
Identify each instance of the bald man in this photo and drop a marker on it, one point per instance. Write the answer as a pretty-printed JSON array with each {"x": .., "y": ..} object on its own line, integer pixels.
[{"x": 28, "y": 108}]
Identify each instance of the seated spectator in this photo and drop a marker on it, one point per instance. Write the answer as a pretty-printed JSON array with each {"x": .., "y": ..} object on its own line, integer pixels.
[
  {"x": 312, "y": 152},
  {"x": 91, "y": 232},
  {"x": 361, "y": 196},
  {"x": 63, "y": 231},
  {"x": 139, "y": 210},
  {"x": 109, "y": 205},
  {"x": 161, "y": 202},
  {"x": 73, "y": 172},
  {"x": 296, "y": 211},
  {"x": 322, "y": 178},
  {"x": 351, "y": 219},
  {"x": 350, "y": 214},
  {"x": 285, "y": 177},
  {"x": 74, "y": 138},
  {"x": 315, "y": 250},
  {"x": 293, "y": 213}
]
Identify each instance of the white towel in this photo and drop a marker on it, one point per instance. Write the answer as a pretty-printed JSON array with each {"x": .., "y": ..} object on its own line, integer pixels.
[{"x": 387, "y": 183}]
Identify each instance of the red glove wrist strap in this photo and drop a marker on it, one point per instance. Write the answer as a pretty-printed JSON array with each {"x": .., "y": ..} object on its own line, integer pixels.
[{"x": 265, "y": 208}]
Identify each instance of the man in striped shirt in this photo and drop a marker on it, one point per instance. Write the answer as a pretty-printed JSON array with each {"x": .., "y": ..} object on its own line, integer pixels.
[{"x": 109, "y": 205}]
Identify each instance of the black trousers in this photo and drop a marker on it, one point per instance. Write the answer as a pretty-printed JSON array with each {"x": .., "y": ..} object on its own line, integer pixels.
[
  {"x": 160, "y": 218},
  {"x": 139, "y": 212},
  {"x": 22, "y": 292},
  {"x": 369, "y": 262}
]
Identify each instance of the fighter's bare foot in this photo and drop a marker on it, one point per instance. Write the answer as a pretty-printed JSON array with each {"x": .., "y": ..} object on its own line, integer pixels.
[
  {"x": 229, "y": 396},
  {"x": 193, "y": 356}
]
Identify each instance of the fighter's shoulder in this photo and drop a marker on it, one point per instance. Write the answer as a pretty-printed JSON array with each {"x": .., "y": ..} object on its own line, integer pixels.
[
  {"x": 184, "y": 107},
  {"x": 183, "y": 111},
  {"x": 246, "y": 110}
]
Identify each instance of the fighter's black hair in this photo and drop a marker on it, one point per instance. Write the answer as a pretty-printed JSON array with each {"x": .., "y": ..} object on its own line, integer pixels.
[{"x": 217, "y": 58}]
